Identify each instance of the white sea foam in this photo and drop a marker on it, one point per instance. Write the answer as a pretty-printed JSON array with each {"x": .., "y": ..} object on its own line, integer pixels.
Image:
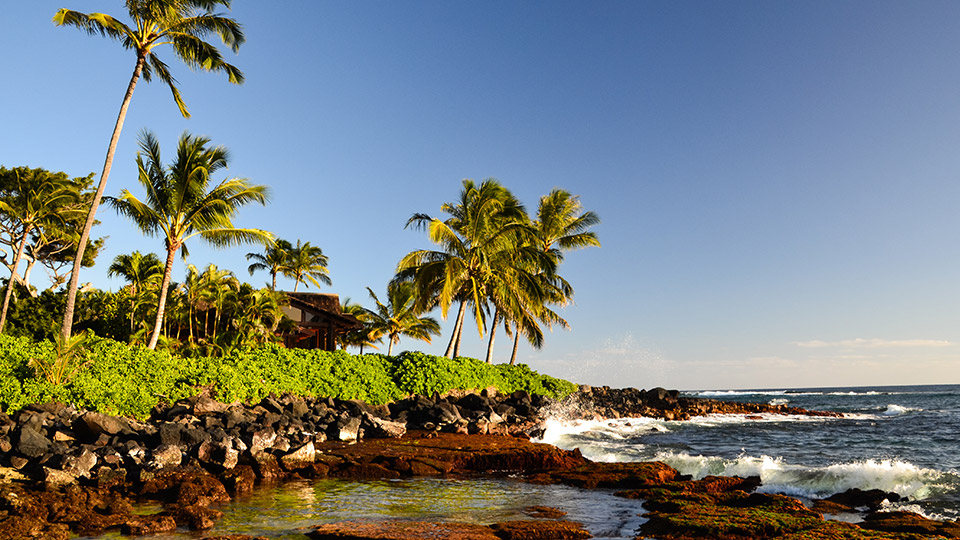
[
  {"x": 888, "y": 506},
  {"x": 779, "y": 401},
  {"x": 555, "y": 431},
  {"x": 896, "y": 410},
  {"x": 729, "y": 393},
  {"x": 777, "y": 476}
]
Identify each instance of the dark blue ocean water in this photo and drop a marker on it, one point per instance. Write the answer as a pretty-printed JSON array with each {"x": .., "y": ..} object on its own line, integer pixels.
[{"x": 901, "y": 439}]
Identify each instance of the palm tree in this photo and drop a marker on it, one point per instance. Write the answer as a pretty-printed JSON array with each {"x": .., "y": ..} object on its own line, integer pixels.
[
  {"x": 217, "y": 289},
  {"x": 37, "y": 199},
  {"x": 360, "y": 337},
  {"x": 399, "y": 317},
  {"x": 306, "y": 263},
  {"x": 273, "y": 259},
  {"x": 477, "y": 241},
  {"x": 561, "y": 225},
  {"x": 260, "y": 316},
  {"x": 178, "y": 205},
  {"x": 183, "y": 24},
  {"x": 140, "y": 271}
]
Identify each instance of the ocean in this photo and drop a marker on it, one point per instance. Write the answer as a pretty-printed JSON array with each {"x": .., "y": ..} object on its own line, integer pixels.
[{"x": 901, "y": 439}]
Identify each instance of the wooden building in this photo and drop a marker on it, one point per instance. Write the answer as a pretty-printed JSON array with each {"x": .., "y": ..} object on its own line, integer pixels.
[{"x": 319, "y": 321}]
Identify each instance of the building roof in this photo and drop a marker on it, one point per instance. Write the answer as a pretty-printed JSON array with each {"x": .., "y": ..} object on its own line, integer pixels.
[{"x": 325, "y": 305}]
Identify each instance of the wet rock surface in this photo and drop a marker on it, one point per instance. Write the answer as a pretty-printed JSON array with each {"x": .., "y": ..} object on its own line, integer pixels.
[{"x": 65, "y": 471}]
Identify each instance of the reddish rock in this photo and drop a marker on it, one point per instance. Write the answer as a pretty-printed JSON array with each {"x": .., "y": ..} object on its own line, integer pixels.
[
  {"x": 196, "y": 517},
  {"x": 909, "y": 522},
  {"x": 239, "y": 480},
  {"x": 612, "y": 475},
  {"x": 201, "y": 490},
  {"x": 544, "y": 512},
  {"x": 143, "y": 525},
  {"x": 400, "y": 530},
  {"x": 540, "y": 530}
]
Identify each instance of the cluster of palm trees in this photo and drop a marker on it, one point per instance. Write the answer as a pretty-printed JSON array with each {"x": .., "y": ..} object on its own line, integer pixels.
[
  {"x": 302, "y": 262},
  {"x": 209, "y": 312},
  {"x": 498, "y": 262}
]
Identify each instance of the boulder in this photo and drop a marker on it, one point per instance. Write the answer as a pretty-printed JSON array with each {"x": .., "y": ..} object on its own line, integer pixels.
[
  {"x": 94, "y": 424},
  {"x": 299, "y": 458},
  {"x": 57, "y": 477},
  {"x": 32, "y": 443},
  {"x": 348, "y": 429},
  {"x": 80, "y": 464},
  {"x": 385, "y": 428},
  {"x": 166, "y": 455}
]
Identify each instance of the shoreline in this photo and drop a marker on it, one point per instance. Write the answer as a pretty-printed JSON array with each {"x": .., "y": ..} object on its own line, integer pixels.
[{"x": 81, "y": 471}]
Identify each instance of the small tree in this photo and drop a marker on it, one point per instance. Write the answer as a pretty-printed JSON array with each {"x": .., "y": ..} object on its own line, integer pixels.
[
  {"x": 306, "y": 263},
  {"x": 399, "y": 317}
]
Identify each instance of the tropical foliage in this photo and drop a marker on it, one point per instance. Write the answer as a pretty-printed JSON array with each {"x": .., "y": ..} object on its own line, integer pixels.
[
  {"x": 497, "y": 261},
  {"x": 398, "y": 317},
  {"x": 274, "y": 259},
  {"x": 181, "y": 203},
  {"x": 182, "y": 24},
  {"x": 142, "y": 274},
  {"x": 306, "y": 263},
  {"x": 54, "y": 234}
]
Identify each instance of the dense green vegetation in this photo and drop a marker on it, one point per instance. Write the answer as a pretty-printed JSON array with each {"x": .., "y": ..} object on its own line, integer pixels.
[{"x": 116, "y": 378}]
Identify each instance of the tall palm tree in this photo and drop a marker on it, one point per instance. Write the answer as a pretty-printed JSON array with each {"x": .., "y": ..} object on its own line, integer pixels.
[
  {"x": 273, "y": 259},
  {"x": 140, "y": 271},
  {"x": 306, "y": 263},
  {"x": 36, "y": 200},
  {"x": 182, "y": 24},
  {"x": 476, "y": 242},
  {"x": 180, "y": 203},
  {"x": 399, "y": 316}
]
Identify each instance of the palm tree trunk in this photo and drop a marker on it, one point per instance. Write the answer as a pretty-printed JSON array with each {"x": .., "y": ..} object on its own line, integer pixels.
[
  {"x": 162, "y": 301},
  {"x": 190, "y": 318},
  {"x": 389, "y": 345},
  {"x": 493, "y": 333},
  {"x": 456, "y": 346},
  {"x": 516, "y": 342},
  {"x": 456, "y": 331},
  {"x": 133, "y": 307},
  {"x": 273, "y": 285},
  {"x": 67, "y": 328},
  {"x": 16, "y": 263}
]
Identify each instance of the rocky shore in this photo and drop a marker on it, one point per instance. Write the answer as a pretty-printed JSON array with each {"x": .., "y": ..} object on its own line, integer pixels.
[{"x": 65, "y": 470}]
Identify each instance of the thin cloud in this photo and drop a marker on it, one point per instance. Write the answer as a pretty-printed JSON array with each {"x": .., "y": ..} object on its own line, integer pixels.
[{"x": 874, "y": 343}]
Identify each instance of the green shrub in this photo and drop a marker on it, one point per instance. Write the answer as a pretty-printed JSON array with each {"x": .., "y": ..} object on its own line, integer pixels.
[{"x": 129, "y": 380}]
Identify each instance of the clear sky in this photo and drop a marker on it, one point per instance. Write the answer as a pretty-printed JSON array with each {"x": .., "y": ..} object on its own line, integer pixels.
[{"x": 778, "y": 181}]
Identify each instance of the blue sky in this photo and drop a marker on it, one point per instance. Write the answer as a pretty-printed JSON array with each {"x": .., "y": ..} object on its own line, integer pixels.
[{"x": 777, "y": 180}]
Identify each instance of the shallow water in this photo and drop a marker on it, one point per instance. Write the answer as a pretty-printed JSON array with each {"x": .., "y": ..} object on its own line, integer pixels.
[{"x": 286, "y": 511}]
